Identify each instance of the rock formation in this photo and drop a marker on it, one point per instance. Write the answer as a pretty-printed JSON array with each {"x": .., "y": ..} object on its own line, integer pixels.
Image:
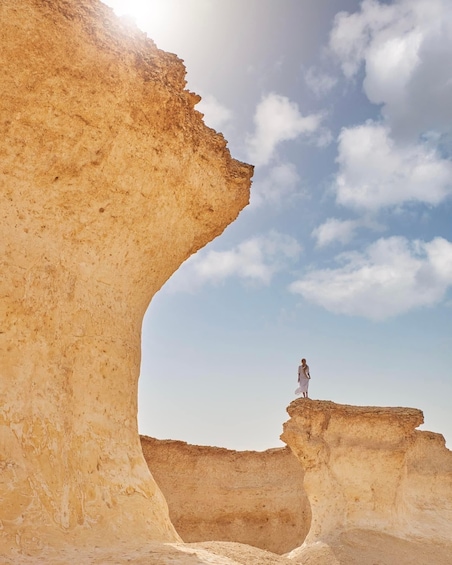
[
  {"x": 372, "y": 478},
  {"x": 251, "y": 497},
  {"x": 109, "y": 180}
]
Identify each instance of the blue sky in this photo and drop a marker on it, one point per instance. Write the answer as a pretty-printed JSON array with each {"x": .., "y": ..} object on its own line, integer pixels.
[{"x": 344, "y": 255}]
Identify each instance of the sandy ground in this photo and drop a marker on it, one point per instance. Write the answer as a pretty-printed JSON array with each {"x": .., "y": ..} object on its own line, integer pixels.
[
  {"x": 356, "y": 547},
  {"x": 365, "y": 547},
  {"x": 242, "y": 554},
  {"x": 362, "y": 547},
  {"x": 209, "y": 553}
]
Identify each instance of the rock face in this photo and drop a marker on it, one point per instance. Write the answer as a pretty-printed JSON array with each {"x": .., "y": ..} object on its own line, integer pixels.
[
  {"x": 109, "y": 180},
  {"x": 255, "y": 498},
  {"x": 369, "y": 469}
]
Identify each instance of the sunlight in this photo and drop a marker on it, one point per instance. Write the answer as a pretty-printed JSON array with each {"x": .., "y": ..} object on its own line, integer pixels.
[{"x": 145, "y": 13}]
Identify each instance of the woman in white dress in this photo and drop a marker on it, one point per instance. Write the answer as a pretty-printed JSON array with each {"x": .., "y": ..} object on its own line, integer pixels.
[{"x": 303, "y": 379}]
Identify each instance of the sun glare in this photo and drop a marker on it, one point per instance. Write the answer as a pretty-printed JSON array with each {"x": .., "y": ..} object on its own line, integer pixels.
[{"x": 155, "y": 14}]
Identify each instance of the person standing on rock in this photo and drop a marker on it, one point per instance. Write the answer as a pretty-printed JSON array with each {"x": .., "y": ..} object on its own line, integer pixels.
[{"x": 303, "y": 379}]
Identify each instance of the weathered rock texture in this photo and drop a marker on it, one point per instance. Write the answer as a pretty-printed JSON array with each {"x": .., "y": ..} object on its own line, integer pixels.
[
  {"x": 109, "y": 180},
  {"x": 369, "y": 469},
  {"x": 251, "y": 497}
]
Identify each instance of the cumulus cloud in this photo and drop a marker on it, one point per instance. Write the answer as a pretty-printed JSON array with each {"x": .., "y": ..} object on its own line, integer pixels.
[
  {"x": 341, "y": 231},
  {"x": 277, "y": 188},
  {"x": 391, "y": 277},
  {"x": 334, "y": 230},
  {"x": 255, "y": 260},
  {"x": 405, "y": 48},
  {"x": 376, "y": 172},
  {"x": 215, "y": 114},
  {"x": 277, "y": 119}
]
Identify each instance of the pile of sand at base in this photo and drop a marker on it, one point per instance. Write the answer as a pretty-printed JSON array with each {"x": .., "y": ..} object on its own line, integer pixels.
[{"x": 241, "y": 554}]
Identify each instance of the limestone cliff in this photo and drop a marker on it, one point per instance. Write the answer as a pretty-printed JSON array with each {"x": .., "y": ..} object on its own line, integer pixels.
[
  {"x": 109, "y": 180},
  {"x": 251, "y": 497},
  {"x": 367, "y": 469}
]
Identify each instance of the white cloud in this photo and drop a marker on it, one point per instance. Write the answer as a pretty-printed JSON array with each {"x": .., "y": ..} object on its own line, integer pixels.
[
  {"x": 406, "y": 50},
  {"x": 334, "y": 230},
  {"x": 391, "y": 277},
  {"x": 277, "y": 119},
  {"x": 341, "y": 231},
  {"x": 215, "y": 114},
  {"x": 352, "y": 33},
  {"x": 277, "y": 188},
  {"x": 254, "y": 261},
  {"x": 319, "y": 82},
  {"x": 375, "y": 172}
]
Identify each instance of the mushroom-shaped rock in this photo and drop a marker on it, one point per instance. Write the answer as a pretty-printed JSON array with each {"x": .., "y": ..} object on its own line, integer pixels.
[
  {"x": 368, "y": 468},
  {"x": 109, "y": 180}
]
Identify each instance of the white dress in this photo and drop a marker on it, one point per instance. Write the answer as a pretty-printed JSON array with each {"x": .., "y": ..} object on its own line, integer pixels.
[{"x": 303, "y": 379}]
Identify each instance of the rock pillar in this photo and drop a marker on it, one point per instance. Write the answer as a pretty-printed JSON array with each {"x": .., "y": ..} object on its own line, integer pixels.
[
  {"x": 354, "y": 461},
  {"x": 368, "y": 468},
  {"x": 109, "y": 180}
]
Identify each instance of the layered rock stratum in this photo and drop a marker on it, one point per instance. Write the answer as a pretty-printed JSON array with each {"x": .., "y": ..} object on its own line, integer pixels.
[
  {"x": 109, "y": 180},
  {"x": 379, "y": 490},
  {"x": 255, "y": 498}
]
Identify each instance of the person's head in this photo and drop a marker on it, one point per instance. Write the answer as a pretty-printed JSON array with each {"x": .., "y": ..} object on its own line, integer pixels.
[{"x": 303, "y": 361}]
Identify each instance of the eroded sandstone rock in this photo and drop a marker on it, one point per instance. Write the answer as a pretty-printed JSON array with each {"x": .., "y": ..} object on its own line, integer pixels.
[
  {"x": 251, "y": 497},
  {"x": 109, "y": 180},
  {"x": 369, "y": 471}
]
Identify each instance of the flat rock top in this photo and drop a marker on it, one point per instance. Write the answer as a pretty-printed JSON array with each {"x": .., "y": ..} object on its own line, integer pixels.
[{"x": 308, "y": 406}]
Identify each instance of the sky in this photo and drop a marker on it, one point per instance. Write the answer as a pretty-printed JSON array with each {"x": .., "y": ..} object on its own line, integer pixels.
[{"x": 344, "y": 254}]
